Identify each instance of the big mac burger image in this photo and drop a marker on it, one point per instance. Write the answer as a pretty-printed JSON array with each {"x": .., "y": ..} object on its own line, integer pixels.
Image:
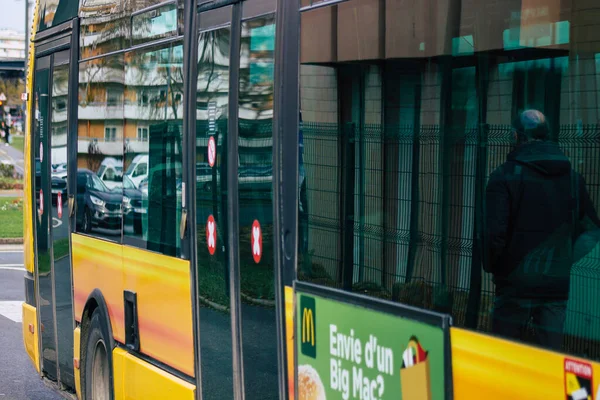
[{"x": 310, "y": 386}]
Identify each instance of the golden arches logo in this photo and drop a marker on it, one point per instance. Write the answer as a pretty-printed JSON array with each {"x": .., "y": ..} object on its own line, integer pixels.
[{"x": 308, "y": 327}]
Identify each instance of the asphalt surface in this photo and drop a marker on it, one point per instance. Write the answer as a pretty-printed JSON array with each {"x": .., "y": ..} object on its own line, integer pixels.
[
  {"x": 11, "y": 156},
  {"x": 18, "y": 378}
]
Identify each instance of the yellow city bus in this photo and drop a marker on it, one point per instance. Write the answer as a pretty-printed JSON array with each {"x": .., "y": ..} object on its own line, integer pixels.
[{"x": 286, "y": 199}]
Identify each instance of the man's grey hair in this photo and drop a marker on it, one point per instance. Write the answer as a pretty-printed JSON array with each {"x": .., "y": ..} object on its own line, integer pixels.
[{"x": 532, "y": 124}]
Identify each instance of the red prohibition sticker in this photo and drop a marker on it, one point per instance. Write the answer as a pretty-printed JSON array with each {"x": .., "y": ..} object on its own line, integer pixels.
[
  {"x": 41, "y": 202},
  {"x": 578, "y": 380},
  {"x": 59, "y": 204},
  {"x": 212, "y": 151},
  {"x": 256, "y": 241},
  {"x": 211, "y": 235}
]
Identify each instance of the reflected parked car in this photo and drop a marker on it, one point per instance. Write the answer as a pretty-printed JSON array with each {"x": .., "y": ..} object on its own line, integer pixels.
[
  {"x": 59, "y": 185},
  {"x": 97, "y": 205},
  {"x": 256, "y": 177},
  {"x": 111, "y": 172},
  {"x": 59, "y": 170},
  {"x": 133, "y": 209},
  {"x": 204, "y": 176}
]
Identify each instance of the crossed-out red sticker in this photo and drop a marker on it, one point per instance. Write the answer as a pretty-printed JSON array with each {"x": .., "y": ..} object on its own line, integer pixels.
[
  {"x": 59, "y": 204},
  {"x": 212, "y": 151},
  {"x": 211, "y": 235},
  {"x": 256, "y": 241}
]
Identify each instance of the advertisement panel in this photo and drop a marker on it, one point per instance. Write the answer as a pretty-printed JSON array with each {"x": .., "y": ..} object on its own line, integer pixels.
[{"x": 352, "y": 347}]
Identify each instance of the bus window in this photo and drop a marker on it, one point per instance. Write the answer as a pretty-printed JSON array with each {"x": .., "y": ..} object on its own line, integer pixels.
[
  {"x": 255, "y": 182},
  {"x": 99, "y": 208},
  {"x": 410, "y": 137},
  {"x": 212, "y": 102},
  {"x": 152, "y": 197}
]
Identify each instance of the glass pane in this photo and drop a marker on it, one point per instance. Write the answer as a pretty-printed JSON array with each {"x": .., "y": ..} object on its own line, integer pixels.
[
  {"x": 100, "y": 147},
  {"x": 152, "y": 185},
  {"x": 155, "y": 24},
  {"x": 44, "y": 217},
  {"x": 436, "y": 159},
  {"x": 212, "y": 100},
  {"x": 256, "y": 208},
  {"x": 60, "y": 223}
]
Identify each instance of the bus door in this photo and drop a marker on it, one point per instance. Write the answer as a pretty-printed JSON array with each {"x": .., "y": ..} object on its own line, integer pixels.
[
  {"x": 54, "y": 293},
  {"x": 233, "y": 198}
]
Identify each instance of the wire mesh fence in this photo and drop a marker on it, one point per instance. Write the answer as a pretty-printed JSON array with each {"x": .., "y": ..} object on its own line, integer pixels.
[{"x": 415, "y": 217}]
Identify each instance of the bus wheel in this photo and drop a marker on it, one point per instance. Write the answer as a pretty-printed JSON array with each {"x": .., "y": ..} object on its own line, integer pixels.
[{"x": 98, "y": 361}]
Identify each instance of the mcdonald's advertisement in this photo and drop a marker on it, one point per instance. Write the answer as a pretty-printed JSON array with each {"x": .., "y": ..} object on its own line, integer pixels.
[{"x": 346, "y": 351}]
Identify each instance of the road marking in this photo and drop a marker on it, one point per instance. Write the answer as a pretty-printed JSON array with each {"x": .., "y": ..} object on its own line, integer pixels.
[
  {"x": 11, "y": 251},
  {"x": 13, "y": 267},
  {"x": 12, "y": 310}
]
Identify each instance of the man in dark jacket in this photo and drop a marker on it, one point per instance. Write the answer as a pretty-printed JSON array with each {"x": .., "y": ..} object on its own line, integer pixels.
[{"x": 530, "y": 207}]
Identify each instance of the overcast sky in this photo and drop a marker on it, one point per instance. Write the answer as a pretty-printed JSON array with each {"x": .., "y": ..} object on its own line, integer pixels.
[{"x": 12, "y": 13}]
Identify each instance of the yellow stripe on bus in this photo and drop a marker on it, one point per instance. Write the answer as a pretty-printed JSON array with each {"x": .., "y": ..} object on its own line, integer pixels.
[
  {"x": 486, "y": 367},
  {"x": 137, "y": 379}
]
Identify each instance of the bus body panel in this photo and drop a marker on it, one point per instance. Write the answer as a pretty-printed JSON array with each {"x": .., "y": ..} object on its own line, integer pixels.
[
  {"x": 164, "y": 304},
  {"x": 289, "y": 330},
  {"x": 97, "y": 264},
  {"x": 137, "y": 379},
  {"x": 486, "y": 367},
  {"x": 28, "y": 244},
  {"x": 30, "y": 334},
  {"x": 162, "y": 286},
  {"x": 77, "y": 360}
]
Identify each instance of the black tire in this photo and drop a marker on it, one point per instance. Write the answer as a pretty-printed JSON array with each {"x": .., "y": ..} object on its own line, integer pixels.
[
  {"x": 86, "y": 223},
  {"x": 98, "y": 377}
]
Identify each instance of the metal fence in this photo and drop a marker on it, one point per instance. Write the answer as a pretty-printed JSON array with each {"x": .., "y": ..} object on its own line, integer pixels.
[{"x": 397, "y": 212}]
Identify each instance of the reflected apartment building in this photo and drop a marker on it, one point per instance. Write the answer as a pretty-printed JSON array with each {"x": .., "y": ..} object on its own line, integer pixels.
[
  {"x": 407, "y": 108},
  {"x": 122, "y": 96}
]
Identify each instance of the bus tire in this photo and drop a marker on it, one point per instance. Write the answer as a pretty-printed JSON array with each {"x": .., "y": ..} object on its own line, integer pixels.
[{"x": 98, "y": 362}]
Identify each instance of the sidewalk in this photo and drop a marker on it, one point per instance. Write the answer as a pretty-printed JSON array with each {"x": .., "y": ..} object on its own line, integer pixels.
[{"x": 11, "y": 193}]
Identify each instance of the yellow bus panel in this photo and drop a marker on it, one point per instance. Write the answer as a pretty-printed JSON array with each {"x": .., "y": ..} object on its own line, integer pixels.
[
  {"x": 137, "y": 379},
  {"x": 97, "y": 264},
  {"x": 28, "y": 207},
  {"x": 77, "y": 360},
  {"x": 30, "y": 334},
  {"x": 164, "y": 303},
  {"x": 164, "y": 298},
  {"x": 486, "y": 367}
]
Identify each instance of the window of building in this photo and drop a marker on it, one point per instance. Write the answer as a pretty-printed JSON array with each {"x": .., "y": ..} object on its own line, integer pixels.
[
  {"x": 142, "y": 134},
  {"x": 110, "y": 134}
]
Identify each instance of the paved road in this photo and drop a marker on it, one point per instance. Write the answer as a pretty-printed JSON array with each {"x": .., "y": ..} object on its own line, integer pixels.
[
  {"x": 12, "y": 156},
  {"x": 18, "y": 378}
]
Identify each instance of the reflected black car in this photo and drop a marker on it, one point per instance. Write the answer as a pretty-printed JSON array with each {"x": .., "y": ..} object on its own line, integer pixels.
[
  {"x": 97, "y": 206},
  {"x": 256, "y": 179},
  {"x": 133, "y": 209},
  {"x": 59, "y": 185}
]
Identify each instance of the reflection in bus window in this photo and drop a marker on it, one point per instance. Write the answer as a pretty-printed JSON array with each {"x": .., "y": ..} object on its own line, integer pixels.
[
  {"x": 152, "y": 198},
  {"x": 405, "y": 125},
  {"x": 212, "y": 102},
  {"x": 100, "y": 147},
  {"x": 255, "y": 182}
]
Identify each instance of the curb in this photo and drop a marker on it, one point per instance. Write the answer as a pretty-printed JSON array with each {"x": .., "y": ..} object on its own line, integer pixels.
[
  {"x": 11, "y": 240},
  {"x": 259, "y": 302},
  {"x": 212, "y": 304}
]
